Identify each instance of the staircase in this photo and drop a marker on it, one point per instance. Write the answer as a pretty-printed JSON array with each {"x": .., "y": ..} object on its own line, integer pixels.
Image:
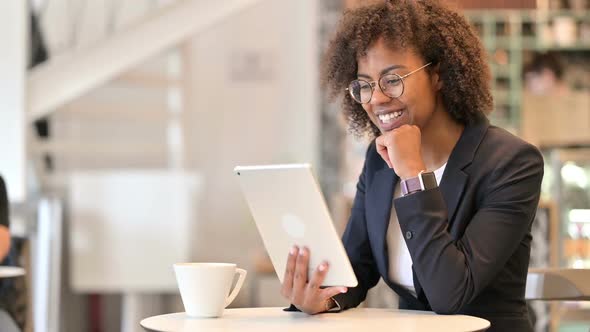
[{"x": 119, "y": 103}]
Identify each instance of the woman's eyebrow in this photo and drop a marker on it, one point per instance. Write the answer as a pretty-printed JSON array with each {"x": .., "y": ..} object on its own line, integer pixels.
[{"x": 383, "y": 72}]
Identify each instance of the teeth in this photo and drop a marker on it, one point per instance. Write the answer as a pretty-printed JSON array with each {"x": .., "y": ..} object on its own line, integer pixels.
[{"x": 386, "y": 118}]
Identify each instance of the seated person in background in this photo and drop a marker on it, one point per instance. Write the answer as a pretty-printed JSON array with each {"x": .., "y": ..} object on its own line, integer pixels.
[
  {"x": 4, "y": 217},
  {"x": 445, "y": 201},
  {"x": 544, "y": 75},
  {"x": 554, "y": 111},
  {"x": 6, "y": 322}
]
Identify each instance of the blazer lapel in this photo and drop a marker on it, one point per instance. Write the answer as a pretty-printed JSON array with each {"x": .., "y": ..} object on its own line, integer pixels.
[
  {"x": 451, "y": 187},
  {"x": 455, "y": 178}
]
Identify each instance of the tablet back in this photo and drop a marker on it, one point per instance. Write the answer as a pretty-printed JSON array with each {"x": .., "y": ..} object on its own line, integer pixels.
[{"x": 289, "y": 209}]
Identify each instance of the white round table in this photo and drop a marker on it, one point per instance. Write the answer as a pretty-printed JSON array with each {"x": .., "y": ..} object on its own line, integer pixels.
[
  {"x": 11, "y": 271},
  {"x": 275, "y": 319}
]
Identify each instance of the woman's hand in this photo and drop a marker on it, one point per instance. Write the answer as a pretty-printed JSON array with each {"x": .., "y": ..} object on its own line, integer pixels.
[
  {"x": 307, "y": 296},
  {"x": 401, "y": 150}
]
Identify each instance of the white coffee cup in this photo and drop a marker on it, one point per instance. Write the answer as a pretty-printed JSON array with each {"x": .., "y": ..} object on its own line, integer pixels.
[{"x": 205, "y": 287}]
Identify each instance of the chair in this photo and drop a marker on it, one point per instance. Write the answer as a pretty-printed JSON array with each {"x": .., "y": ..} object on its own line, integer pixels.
[
  {"x": 557, "y": 284},
  {"x": 560, "y": 284}
]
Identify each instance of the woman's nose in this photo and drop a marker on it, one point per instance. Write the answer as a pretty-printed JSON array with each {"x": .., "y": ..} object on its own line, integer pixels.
[{"x": 379, "y": 97}]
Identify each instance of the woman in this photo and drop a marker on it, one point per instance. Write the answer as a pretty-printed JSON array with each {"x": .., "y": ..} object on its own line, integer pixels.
[
  {"x": 445, "y": 201},
  {"x": 4, "y": 221}
]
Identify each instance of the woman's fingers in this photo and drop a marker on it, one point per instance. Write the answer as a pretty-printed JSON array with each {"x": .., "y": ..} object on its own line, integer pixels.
[
  {"x": 287, "y": 286},
  {"x": 381, "y": 145},
  {"x": 331, "y": 292},
  {"x": 306, "y": 295},
  {"x": 315, "y": 296},
  {"x": 317, "y": 278},
  {"x": 300, "y": 277}
]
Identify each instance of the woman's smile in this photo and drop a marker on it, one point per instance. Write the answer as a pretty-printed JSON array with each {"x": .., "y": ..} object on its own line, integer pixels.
[{"x": 390, "y": 119}]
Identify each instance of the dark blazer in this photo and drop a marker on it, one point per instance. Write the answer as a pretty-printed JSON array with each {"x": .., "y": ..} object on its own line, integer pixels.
[{"x": 469, "y": 239}]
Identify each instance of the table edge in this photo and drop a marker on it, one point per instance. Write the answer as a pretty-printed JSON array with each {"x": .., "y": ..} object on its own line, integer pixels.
[{"x": 489, "y": 324}]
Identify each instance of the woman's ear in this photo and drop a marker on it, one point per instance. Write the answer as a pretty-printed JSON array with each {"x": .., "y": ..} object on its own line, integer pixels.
[{"x": 437, "y": 83}]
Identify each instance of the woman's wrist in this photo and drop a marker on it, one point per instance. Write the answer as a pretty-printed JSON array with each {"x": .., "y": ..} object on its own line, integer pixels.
[{"x": 411, "y": 169}]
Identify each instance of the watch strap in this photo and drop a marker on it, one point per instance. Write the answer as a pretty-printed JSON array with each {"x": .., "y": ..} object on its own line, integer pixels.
[
  {"x": 424, "y": 181},
  {"x": 410, "y": 185}
]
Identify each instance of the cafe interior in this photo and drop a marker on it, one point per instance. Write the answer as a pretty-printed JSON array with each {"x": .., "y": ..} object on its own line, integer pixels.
[{"x": 122, "y": 120}]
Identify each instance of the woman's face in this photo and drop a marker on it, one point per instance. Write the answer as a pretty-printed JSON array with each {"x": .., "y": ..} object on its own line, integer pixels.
[{"x": 418, "y": 101}]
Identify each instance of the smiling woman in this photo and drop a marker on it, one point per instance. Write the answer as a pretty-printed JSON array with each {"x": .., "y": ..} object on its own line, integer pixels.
[
  {"x": 441, "y": 36},
  {"x": 445, "y": 201}
]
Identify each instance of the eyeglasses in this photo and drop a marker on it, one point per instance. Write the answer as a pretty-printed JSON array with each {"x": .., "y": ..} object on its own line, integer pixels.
[{"x": 392, "y": 85}]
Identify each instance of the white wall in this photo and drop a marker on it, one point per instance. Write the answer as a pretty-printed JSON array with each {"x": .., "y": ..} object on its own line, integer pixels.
[
  {"x": 13, "y": 62},
  {"x": 255, "y": 101}
]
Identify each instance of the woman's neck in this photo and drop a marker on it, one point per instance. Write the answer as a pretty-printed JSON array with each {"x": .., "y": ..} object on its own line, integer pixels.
[{"x": 439, "y": 137}]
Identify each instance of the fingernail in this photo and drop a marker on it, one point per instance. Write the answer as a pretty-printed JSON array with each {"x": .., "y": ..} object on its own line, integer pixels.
[
  {"x": 302, "y": 252},
  {"x": 322, "y": 267},
  {"x": 293, "y": 251},
  {"x": 343, "y": 290}
]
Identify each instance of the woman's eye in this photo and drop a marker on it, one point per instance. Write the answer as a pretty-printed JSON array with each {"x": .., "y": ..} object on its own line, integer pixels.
[{"x": 393, "y": 81}]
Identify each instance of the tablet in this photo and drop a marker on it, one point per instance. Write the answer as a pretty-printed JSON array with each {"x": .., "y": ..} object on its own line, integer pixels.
[{"x": 289, "y": 209}]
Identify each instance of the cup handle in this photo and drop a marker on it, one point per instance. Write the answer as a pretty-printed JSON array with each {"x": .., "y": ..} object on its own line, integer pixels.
[{"x": 236, "y": 290}]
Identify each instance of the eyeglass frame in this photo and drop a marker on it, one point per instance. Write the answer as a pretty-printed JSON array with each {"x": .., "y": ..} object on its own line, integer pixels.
[{"x": 378, "y": 82}]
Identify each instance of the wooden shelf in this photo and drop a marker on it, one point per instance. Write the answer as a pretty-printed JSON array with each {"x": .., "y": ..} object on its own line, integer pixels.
[{"x": 502, "y": 30}]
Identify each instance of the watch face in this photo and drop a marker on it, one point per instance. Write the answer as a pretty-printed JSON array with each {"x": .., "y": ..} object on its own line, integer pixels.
[{"x": 429, "y": 180}]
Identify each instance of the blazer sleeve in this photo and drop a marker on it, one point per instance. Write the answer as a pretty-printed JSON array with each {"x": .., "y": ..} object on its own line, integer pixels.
[
  {"x": 356, "y": 243},
  {"x": 452, "y": 273}
]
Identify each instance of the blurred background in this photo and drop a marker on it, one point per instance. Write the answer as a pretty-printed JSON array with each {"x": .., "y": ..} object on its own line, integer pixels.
[{"x": 122, "y": 120}]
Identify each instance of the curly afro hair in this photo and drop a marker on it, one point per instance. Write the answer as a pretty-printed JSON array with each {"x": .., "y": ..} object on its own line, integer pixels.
[{"x": 435, "y": 32}]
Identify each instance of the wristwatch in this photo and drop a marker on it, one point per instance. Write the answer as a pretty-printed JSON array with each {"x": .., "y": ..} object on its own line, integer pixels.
[{"x": 424, "y": 181}]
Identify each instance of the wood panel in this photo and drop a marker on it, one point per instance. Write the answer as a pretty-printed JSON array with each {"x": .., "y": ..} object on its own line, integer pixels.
[
  {"x": 466, "y": 4},
  {"x": 496, "y": 4}
]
